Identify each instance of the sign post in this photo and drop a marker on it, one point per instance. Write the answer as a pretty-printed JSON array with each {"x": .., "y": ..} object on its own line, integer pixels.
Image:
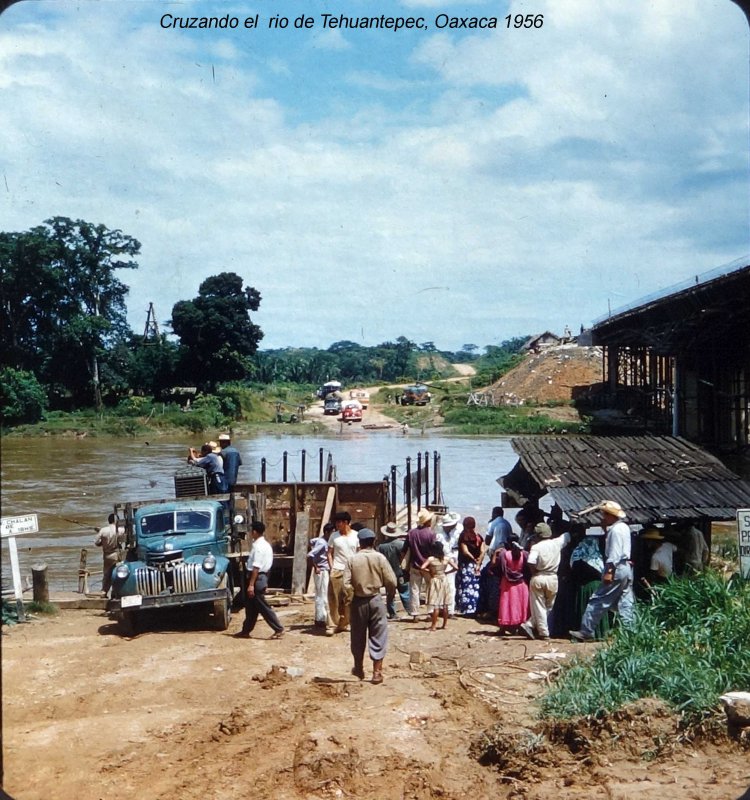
[
  {"x": 743, "y": 541},
  {"x": 10, "y": 527}
]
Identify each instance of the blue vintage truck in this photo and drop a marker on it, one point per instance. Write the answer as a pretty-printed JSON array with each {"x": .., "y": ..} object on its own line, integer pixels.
[{"x": 177, "y": 555}]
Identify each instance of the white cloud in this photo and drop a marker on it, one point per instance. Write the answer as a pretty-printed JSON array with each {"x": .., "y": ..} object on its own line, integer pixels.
[{"x": 518, "y": 181}]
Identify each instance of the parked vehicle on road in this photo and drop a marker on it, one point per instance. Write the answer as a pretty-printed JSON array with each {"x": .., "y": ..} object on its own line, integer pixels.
[
  {"x": 329, "y": 387},
  {"x": 415, "y": 395},
  {"x": 351, "y": 411},
  {"x": 362, "y": 395},
  {"x": 176, "y": 556},
  {"x": 332, "y": 404}
]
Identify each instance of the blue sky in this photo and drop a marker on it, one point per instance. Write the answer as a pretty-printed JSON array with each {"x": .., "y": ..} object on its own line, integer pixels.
[{"x": 449, "y": 185}]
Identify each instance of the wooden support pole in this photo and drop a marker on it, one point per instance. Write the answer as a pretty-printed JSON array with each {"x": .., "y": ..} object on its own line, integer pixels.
[
  {"x": 39, "y": 582},
  {"x": 83, "y": 576},
  {"x": 299, "y": 565}
]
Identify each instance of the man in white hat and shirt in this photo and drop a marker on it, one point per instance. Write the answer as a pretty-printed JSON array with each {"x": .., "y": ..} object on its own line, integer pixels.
[
  {"x": 543, "y": 561},
  {"x": 447, "y": 533},
  {"x": 616, "y": 588}
]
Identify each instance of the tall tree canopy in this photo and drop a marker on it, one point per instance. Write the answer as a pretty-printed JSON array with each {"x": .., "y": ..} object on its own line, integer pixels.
[
  {"x": 62, "y": 307},
  {"x": 217, "y": 336}
]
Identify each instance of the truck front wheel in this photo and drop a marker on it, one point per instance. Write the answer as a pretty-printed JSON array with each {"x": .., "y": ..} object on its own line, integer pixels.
[
  {"x": 128, "y": 622},
  {"x": 222, "y": 613}
]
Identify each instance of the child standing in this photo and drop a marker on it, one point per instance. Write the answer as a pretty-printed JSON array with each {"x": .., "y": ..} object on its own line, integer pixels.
[{"x": 437, "y": 566}]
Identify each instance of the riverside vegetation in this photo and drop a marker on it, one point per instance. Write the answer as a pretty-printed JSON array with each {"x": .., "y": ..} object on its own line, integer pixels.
[{"x": 688, "y": 647}]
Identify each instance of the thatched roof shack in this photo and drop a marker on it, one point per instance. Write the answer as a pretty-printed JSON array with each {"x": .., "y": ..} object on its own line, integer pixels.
[{"x": 655, "y": 478}]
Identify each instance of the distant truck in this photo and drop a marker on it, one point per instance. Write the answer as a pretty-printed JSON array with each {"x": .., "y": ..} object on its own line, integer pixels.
[
  {"x": 330, "y": 387},
  {"x": 177, "y": 555},
  {"x": 332, "y": 404},
  {"x": 361, "y": 395},
  {"x": 415, "y": 395}
]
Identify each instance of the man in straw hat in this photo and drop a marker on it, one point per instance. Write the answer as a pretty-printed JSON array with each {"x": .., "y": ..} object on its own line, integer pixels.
[
  {"x": 391, "y": 548},
  {"x": 616, "y": 588},
  {"x": 543, "y": 561},
  {"x": 419, "y": 540},
  {"x": 447, "y": 533},
  {"x": 367, "y": 572}
]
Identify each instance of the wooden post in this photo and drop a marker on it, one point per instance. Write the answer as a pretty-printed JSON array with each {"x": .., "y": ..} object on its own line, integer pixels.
[
  {"x": 39, "y": 581},
  {"x": 83, "y": 576},
  {"x": 299, "y": 565}
]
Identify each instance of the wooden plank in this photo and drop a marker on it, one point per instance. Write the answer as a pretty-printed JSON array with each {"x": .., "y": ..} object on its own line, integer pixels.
[{"x": 301, "y": 538}]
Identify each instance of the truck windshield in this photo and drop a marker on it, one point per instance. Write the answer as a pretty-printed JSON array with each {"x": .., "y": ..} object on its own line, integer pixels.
[{"x": 165, "y": 522}]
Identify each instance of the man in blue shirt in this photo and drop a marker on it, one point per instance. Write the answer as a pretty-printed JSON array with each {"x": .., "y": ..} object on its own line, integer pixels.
[{"x": 232, "y": 460}]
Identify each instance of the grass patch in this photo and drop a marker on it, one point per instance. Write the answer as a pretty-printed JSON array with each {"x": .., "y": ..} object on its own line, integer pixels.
[
  {"x": 687, "y": 648},
  {"x": 500, "y": 419}
]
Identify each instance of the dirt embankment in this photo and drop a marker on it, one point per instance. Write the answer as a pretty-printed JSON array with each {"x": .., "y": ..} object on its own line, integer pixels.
[
  {"x": 184, "y": 712},
  {"x": 550, "y": 376}
]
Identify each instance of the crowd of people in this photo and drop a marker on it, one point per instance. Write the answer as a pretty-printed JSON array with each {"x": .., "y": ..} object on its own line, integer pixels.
[{"x": 543, "y": 578}]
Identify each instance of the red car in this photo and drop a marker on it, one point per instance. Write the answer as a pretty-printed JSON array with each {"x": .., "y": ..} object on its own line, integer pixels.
[{"x": 352, "y": 411}]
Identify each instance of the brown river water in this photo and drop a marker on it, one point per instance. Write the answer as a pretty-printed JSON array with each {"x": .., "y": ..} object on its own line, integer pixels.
[{"x": 72, "y": 484}]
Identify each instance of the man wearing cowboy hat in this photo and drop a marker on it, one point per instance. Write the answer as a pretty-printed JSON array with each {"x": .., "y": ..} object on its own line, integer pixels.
[
  {"x": 417, "y": 547},
  {"x": 616, "y": 588},
  {"x": 543, "y": 561},
  {"x": 232, "y": 459},
  {"x": 447, "y": 533},
  {"x": 661, "y": 563},
  {"x": 391, "y": 548}
]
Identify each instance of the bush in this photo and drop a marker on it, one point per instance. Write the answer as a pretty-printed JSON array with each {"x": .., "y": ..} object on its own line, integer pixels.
[
  {"x": 687, "y": 648},
  {"x": 499, "y": 419},
  {"x": 22, "y": 398}
]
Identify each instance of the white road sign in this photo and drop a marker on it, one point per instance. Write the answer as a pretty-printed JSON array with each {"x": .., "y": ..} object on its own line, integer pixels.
[
  {"x": 743, "y": 540},
  {"x": 17, "y": 526}
]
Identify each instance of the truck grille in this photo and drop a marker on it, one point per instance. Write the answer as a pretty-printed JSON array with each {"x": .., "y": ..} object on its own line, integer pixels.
[
  {"x": 184, "y": 578},
  {"x": 150, "y": 581}
]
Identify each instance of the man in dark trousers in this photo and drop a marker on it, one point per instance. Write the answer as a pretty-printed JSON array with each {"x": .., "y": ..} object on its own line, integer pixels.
[
  {"x": 367, "y": 571},
  {"x": 259, "y": 563},
  {"x": 232, "y": 459}
]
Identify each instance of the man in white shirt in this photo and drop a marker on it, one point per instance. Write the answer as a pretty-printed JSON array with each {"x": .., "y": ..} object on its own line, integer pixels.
[
  {"x": 341, "y": 547},
  {"x": 544, "y": 561},
  {"x": 616, "y": 588},
  {"x": 259, "y": 563},
  {"x": 447, "y": 533}
]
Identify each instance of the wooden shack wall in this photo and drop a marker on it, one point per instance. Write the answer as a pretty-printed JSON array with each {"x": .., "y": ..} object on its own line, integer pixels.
[{"x": 280, "y": 503}]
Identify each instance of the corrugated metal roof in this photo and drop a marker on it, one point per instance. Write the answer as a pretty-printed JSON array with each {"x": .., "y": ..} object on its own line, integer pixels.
[{"x": 652, "y": 477}]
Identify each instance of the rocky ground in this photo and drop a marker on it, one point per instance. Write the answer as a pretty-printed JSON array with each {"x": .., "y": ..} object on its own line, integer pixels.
[{"x": 180, "y": 711}]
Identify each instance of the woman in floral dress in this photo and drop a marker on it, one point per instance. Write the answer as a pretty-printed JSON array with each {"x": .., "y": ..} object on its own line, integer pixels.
[{"x": 470, "y": 554}]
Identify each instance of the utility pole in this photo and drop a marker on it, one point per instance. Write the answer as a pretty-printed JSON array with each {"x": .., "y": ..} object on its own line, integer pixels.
[{"x": 151, "y": 331}]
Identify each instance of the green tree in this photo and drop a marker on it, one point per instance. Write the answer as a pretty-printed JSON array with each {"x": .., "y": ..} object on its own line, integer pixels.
[
  {"x": 61, "y": 305},
  {"x": 217, "y": 336},
  {"x": 93, "y": 309},
  {"x": 22, "y": 398}
]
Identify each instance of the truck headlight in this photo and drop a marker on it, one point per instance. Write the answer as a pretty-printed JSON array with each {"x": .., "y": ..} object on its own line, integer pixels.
[
  {"x": 209, "y": 563},
  {"x": 122, "y": 571}
]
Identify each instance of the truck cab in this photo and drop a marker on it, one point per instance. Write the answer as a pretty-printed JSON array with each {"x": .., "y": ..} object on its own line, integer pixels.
[
  {"x": 177, "y": 555},
  {"x": 415, "y": 395}
]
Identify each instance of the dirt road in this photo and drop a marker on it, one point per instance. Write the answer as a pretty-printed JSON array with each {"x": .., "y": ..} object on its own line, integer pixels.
[
  {"x": 376, "y": 413},
  {"x": 198, "y": 715}
]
